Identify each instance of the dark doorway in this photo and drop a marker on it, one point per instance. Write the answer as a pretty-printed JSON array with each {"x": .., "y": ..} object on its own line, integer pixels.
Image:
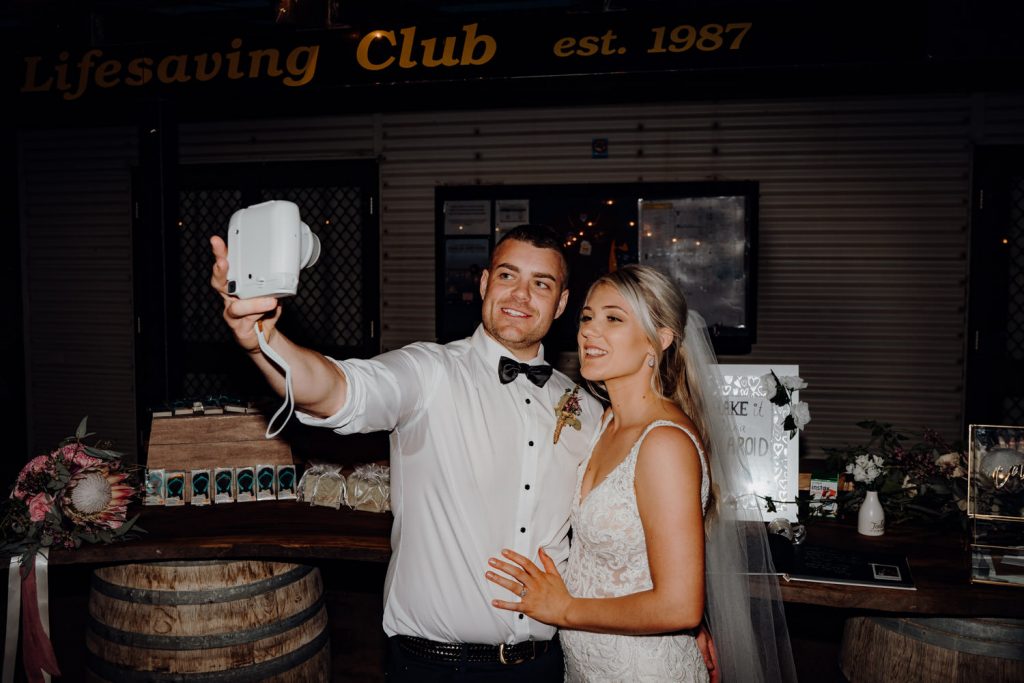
[
  {"x": 995, "y": 325},
  {"x": 336, "y": 310}
]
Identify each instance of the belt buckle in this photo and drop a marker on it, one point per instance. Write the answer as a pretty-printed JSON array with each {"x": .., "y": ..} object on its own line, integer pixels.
[{"x": 506, "y": 661}]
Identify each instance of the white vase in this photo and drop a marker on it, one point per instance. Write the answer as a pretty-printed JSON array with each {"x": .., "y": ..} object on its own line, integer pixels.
[{"x": 871, "y": 517}]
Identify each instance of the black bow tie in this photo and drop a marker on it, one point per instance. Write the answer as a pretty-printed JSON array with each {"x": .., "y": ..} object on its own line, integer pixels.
[{"x": 509, "y": 369}]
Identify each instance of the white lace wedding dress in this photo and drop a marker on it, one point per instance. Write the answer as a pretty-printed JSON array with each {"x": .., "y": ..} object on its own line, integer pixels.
[{"x": 608, "y": 558}]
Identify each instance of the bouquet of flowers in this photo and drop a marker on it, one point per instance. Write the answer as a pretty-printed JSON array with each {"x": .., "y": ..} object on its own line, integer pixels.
[
  {"x": 77, "y": 493},
  {"x": 924, "y": 477}
]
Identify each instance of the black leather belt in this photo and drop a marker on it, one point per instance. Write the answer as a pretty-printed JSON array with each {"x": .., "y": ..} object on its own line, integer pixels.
[{"x": 518, "y": 653}]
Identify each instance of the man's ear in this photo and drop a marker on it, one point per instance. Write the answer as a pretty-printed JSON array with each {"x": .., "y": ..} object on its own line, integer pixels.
[
  {"x": 665, "y": 336},
  {"x": 563, "y": 299},
  {"x": 485, "y": 274}
]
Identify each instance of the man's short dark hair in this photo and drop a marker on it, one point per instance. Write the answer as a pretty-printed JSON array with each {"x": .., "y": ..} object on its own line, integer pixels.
[{"x": 542, "y": 237}]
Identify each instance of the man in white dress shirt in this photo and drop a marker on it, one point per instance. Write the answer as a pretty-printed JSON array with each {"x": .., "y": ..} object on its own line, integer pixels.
[{"x": 474, "y": 465}]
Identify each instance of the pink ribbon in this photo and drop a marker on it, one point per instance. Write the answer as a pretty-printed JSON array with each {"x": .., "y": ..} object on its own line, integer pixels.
[{"x": 36, "y": 650}]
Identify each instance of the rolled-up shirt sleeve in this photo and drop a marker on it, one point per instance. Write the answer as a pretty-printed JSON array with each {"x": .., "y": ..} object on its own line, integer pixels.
[{"x": 383, "y": 391}]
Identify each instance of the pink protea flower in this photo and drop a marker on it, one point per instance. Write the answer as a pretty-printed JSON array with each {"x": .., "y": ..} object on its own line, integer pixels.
[
  {"x": 38, "y": 506},
  {"x": 97, "y": 496}
]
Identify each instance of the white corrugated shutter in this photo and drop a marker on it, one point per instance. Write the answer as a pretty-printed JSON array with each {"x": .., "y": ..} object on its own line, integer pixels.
[{"x": 77, "y": 251}]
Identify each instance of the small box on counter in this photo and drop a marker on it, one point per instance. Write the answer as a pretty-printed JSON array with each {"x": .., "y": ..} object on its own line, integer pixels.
[
  {"x": 224, "y": 485},
  {"x": 245, "y": 484},
  {"x": 266, "y": 480},
  {"x": 286, "y": 482},
  {"x": 199, "y": 487},
  {"x": 174, "y": 483}
]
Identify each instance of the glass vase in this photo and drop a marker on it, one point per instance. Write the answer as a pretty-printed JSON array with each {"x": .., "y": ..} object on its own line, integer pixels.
[{"x": 871, "y": 517}]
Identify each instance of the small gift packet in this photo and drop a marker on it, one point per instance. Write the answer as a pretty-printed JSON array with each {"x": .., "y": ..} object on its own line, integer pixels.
[
  {"x": 155, "y": 490},
  {"x": 224, "y": 485},
  {"x": 286, "y": 482},
  {"x": 369, "y": 488},
  {"x": 311, "y": 477},
  {"x": 174, "y": 485},
  {"x": 307, "y": 483},
  {"x": 330, "y": 490},
  {"x": 266, "y": 478},
  {"x": 199, "y": 486},
  {"x": 245, "y": 484},
  {"x": 324, "y": 485}
]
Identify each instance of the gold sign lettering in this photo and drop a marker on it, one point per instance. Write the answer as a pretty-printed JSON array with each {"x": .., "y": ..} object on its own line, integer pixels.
[
  {"x": 1000, "y": 476},
  {"x": 587, "y": 46},
  {"x": 477, "y": 49},
  {"x": 72, "y": 79}
]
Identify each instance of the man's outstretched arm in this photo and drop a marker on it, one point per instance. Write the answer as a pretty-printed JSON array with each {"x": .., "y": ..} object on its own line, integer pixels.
[{"x": 319, "y": 386}]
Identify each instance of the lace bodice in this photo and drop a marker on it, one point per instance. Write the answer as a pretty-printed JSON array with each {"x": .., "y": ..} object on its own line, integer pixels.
[{"x": 608, "y": 558}]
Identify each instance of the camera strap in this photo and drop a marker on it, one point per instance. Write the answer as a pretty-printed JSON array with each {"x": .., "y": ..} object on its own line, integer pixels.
[{"x": 289, "y": 398}]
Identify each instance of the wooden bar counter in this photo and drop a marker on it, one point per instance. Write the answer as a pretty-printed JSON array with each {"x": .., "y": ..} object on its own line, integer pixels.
[
  {"x": 259, "y": 529},
  {"x": 939, "y": 560},
  {"x": 939, "y": 564}
]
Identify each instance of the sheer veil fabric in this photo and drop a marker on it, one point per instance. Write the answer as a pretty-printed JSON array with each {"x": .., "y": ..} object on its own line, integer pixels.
[{"x": 744, "y": 605}]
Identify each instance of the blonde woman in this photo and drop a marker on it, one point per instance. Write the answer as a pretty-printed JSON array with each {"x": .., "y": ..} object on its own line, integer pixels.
[{"x": 652, "y": 553}]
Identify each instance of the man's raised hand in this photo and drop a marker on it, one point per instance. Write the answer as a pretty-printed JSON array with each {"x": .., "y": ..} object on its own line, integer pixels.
[{"x": 241, "y": 314}]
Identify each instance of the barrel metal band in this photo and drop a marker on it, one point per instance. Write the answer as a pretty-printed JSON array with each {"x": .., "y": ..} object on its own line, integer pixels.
[
  {"x": 940, "y": 633},
  {"x": 154, "y": 642},
  {"x": 245, "y": 674},
  {"x": 147, "y": 596}
]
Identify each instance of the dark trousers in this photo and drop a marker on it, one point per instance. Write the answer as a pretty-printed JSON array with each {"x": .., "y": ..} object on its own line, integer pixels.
[{"x": 405, "y": 667}]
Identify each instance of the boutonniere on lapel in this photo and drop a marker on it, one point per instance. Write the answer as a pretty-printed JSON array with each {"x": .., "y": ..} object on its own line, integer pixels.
[{"x": 568, "y": 411}]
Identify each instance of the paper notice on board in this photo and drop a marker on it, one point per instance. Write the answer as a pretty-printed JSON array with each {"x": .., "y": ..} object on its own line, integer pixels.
[
  {"x": 469, "y": 217},
  {"x": 510, "y": 213}
]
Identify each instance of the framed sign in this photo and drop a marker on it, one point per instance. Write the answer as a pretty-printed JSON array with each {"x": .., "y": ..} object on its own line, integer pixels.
[
  {"x": 996, "y": 469},
  {"x": 771, "y": 453}
]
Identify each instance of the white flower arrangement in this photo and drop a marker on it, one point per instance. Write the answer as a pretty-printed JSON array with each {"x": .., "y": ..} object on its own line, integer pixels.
[
  {"x": 866, "y": 469},
  {"x": 780, "y": 392}
]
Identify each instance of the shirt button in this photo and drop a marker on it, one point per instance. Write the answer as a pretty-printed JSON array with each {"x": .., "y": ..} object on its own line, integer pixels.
[
  {"x": 527, "y": 401},
  {"x": 527, "y": 487},
  {"x": 521, "y": 615},
  {"x": 522, "y": 529},
  {"x": 531, "y": 443}
]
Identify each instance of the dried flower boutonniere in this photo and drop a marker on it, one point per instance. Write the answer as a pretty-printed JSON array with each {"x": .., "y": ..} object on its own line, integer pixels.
[{"x": 568, "y": 411}]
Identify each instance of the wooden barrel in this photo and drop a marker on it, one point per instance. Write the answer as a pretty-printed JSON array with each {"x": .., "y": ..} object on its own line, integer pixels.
[
  {"x": 207, "y": 622},
  {"x": 933, "y": 649}
]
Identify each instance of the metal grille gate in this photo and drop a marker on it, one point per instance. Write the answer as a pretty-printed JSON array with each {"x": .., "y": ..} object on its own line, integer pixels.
[{"x": 336, "y": 308}]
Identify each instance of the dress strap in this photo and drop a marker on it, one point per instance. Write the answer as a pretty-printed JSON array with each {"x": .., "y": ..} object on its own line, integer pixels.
[{"x": 704, "y": 483}]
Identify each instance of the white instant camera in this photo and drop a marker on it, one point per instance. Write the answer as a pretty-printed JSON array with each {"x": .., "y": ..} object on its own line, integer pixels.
[{"x": 267, "y": 247}]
